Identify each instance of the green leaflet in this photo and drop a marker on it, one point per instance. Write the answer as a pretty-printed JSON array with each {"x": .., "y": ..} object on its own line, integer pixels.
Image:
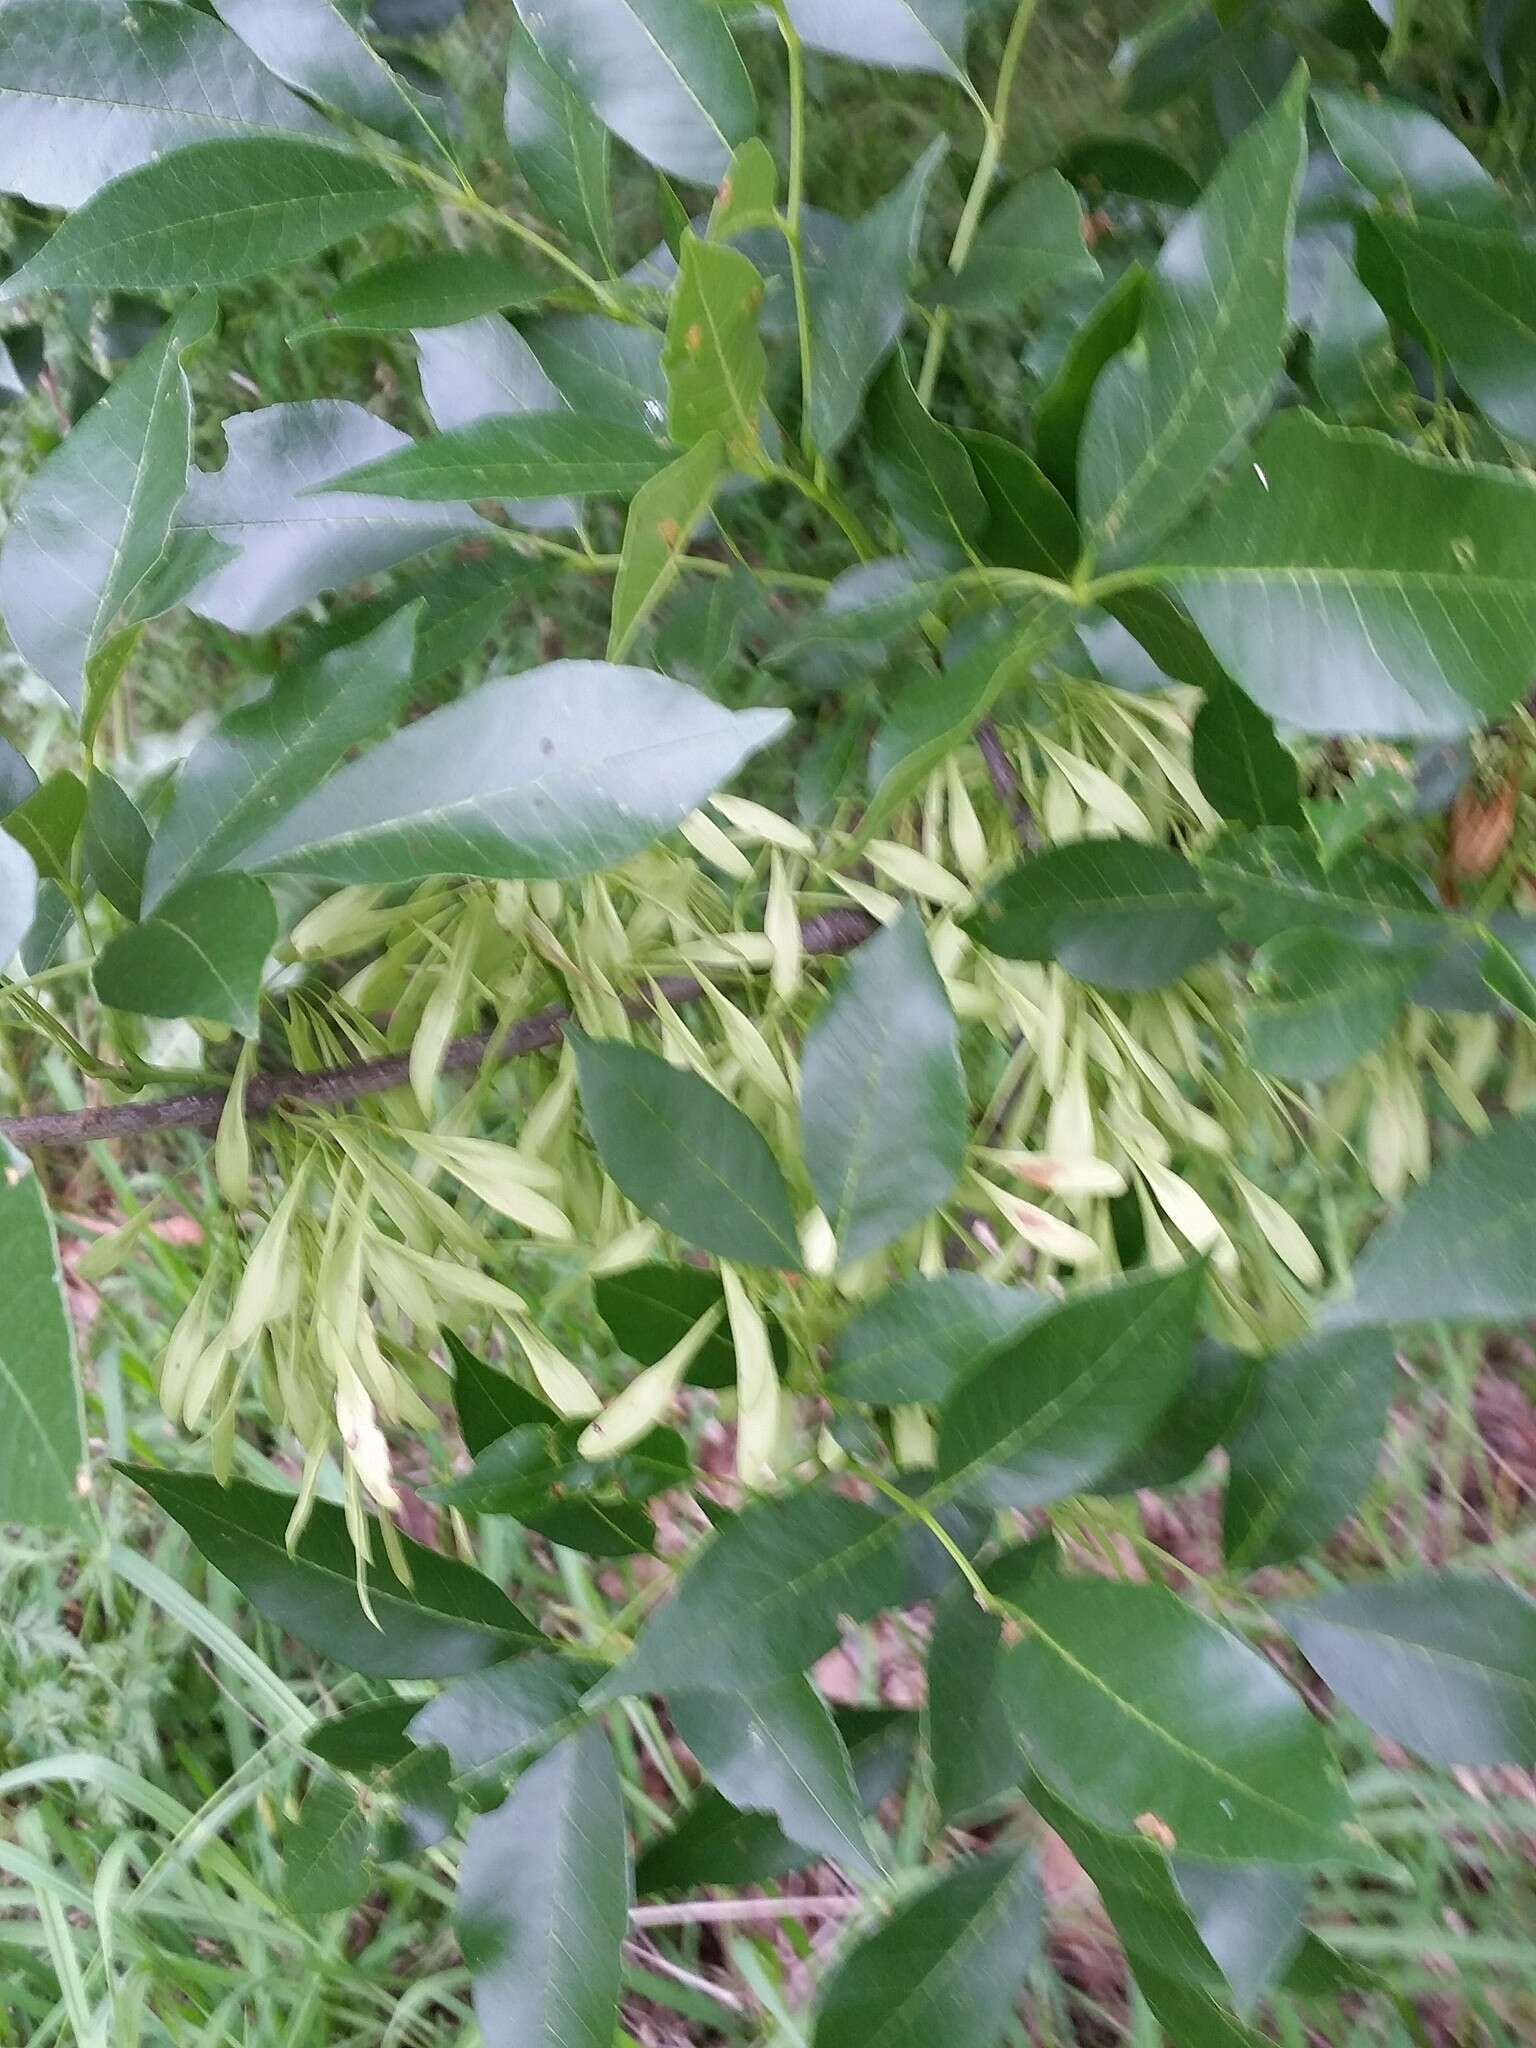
[
  {"x": 531, "y": 455},
  {"x": 94, "y": 519},
  {"x": 440, "y": 290},
  {"x": 47, "y": 823},
  {"x": 1116, "y": 913},
  {"x": 1062, "y": 408},
  {"x": 933, "y": 716},
  {"x": 326, "y": 1862},
  {"x": 1131, "y": 1705},
  {"x": 452, "y": 1619},
  {"x": 1458, "y": 1250},
  {"x": 1475, "y": 293},
  {"x": 213, "y": 214},
  {"x": 651, "y": 1308},
  {"x": 685, "y": 1155},
  {"x": 264, "y": 756},
  {"x": 975, "y": 1760},
  {"x": 1443, "y": 1663},
  {"x": 946, "y": 1966},
  {"x": 1028, "y": 525},
  {"x": 919, "y": 1338},
  {"x": 1307, "y": 1445},
  {"x": 858, "y": 303},
  {"x": 18, "y": 895},
  {"x": 543, "y": 1898},
  {"x": 1242, "y": 768},
  {"x": 556, "y": 773},
  {"x": 1353, "y": 586},
  {"x": 714, "y": 359},
  {"x": 1169, "y": 411},
  {"x": 559, "y": 147},
  {"x": 1407, "y": 159},
  {"x": 310, "y": 46},
  {"x": 114, "y": 846},
  {"x": 923, "y": 469},
  {"x": 363, "y": 1738},
  {"x": 883, "y": 1105},
  {"x": 493, "y": 1723},
  {"x": 42, "y": 1449},
  {"x": 662, "y": 520},
  {"x": 1274, "y": 883},
  {"x": 898, "y": 35},
  {"x": 92, "y": 88},
  {"x": 664, "y": 75},
  {"x": 1030, "y": 243},
  {"x": 200, "y": 953},
  {"x": 777, "y": 1750},
  {"x": 717, "y": 1844},
  {"x": 1324, "y": 1001},
  {"x": 780, "y": 1577},
  {"x": 1056, "y": 1408}
]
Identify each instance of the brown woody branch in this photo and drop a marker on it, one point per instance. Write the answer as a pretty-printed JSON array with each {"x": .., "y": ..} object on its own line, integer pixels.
[{"x": 836, "y": 931}]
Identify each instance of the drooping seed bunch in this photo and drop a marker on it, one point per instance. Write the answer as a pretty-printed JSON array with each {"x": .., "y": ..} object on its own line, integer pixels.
[{"x": 1109, "y": 1129}]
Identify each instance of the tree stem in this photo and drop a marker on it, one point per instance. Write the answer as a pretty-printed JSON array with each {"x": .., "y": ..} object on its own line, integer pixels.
[
  {"x": 834, "y": 932},
  {"x": 996, "y": 134}
]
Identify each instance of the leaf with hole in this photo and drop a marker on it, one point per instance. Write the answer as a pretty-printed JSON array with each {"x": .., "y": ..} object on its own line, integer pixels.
[{"x": 288, "y": 545}]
